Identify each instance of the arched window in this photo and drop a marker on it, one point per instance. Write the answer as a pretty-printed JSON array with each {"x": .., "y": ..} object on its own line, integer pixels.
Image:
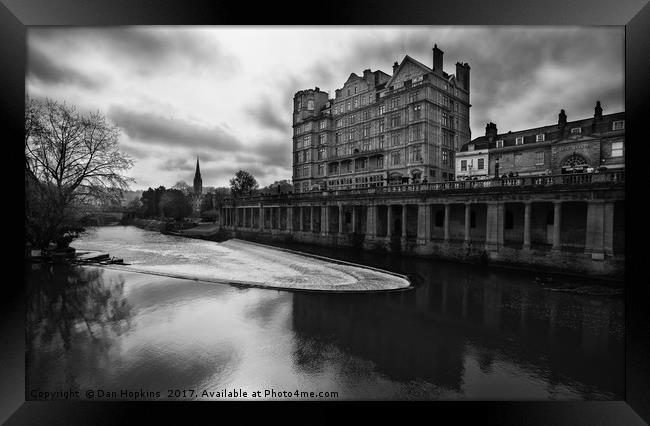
[{"x": 574, "y": 164}]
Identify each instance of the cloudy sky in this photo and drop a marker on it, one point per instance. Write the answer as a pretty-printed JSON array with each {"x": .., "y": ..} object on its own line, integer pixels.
[{"x": 225, "y": 93}]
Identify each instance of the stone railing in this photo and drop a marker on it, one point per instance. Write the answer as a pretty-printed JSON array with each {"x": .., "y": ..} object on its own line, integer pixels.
[{"x": 572, "y": 180}]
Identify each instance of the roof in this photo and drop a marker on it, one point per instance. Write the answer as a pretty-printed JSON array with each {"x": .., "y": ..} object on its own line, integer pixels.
[{"x": 552, "y": 133}]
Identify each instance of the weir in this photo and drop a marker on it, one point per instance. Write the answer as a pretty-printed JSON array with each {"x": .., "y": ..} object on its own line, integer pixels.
[{"x": 571, "y": 223}]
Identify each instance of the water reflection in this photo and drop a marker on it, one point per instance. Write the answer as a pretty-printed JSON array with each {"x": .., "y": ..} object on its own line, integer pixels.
[{"x": 460, "y": 333}]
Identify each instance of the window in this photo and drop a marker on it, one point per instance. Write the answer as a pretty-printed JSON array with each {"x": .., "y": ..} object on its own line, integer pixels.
[
  {"x": 339, "y": 122},
  {"x": 347, "y": 105},
  {"x": 576, "y": 130},
  {"x": 417, "y": 112},
  {"x": 445, "y": 119},
  {"x": 470, "y": 147},
  {"x": 618, "y": 125},
  {"x": 382, "y": 109},
  {"x": 365, "y": 146},
  {"x": 539, "y": 158},
  {"x": 356, "y": 100},
  {"x": 617, "y": 149},
  {"x": 310, "y": 105},
  {"x": 381, "y": 142},
  {"x": 395, "y": 120},
  {"x": 539, "y": 138},
  {"x": 380, "y": 161},
  {"x": 446, "y": 139},
  {"x": 381, "y": 126},
  {"x": 518, "y": 159},
  {"x": 307, "y": 140},
  {"x": 308, "y": 155},
  {"x": 519, "y": 140},
  {"x": 366, "y": 114},
  {"x": 323, "y": 124},
  {"x": 500, "y": 143},
  {"x": 395, "y": 156},
  {"x": 416, "y": 154},
  {"x": 463, "y": 165},
  {"x": 363, "y": 100},
  {"x": 394, "y": 139},
  {"x": 322, "y": 138},
  {"x": 351, "y": 135},
  {"x": 445, "y": 157},
  {"x": 414, "y": 96},
  {"x": 321, "y": 169},
  {"x": 481, "y": 163},
  {"x": 394, "y": 103},
  {"x": 321, "y": 153},
  {"x": 416, "y": 132},
  {"x": 337, "y": 151}
]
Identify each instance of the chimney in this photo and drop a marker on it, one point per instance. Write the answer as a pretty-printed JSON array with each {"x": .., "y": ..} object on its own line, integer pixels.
[
  {"x": 598, "y": 111},
  {"x": 491, "y": 130},
  {"x": 561, "y": 118},
  {"x": 437, "y": 60},
  {"x": 462, "y": 75},
  {"x": 395, "y": 65}
]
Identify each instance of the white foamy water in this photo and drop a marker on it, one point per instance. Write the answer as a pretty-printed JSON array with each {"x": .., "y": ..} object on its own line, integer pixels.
[{"x": 233, "y": 261}]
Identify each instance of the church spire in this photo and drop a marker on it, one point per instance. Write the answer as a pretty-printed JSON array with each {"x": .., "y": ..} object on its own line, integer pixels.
[{"x": 198, "y": 182}]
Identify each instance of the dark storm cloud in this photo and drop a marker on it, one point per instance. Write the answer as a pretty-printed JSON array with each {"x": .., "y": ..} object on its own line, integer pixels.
[
  {"x": 270, "y": 117},
  {"x": 504, "y": 64},
  {"x": 178, "y": 164},
  {"x": 145, "y": 50},
  {"x": 147, "y": 127},
  {"x": 270, "y": 152},
  {"x": 43, "y": 68}
]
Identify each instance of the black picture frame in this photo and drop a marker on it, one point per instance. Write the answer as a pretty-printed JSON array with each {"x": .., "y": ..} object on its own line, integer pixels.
[{"x": 16, "y": 15}]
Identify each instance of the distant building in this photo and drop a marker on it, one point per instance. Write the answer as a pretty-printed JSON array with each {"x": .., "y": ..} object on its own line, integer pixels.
[
  {"x": 586, "y": 145},
  {"x": 381, "y": 129},
  {"x": 198, "y": 188}
]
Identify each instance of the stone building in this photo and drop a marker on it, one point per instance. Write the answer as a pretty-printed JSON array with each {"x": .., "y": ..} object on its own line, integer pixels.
[
  {"x": 382, "y": 129},
  {"x": 198, "y": 189},
  {"x": 587, "y": 145}
]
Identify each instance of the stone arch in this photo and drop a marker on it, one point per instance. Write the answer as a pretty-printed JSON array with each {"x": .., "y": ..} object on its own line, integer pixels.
[{"x": 574, "y": 163}]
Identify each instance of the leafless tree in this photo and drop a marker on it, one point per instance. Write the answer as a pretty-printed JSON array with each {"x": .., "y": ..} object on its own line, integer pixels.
[{"x": 72, "y": 160}]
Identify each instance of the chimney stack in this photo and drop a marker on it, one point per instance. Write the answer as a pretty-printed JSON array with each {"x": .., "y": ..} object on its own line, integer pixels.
[
  {"x": 437, "y": 60},
  {"x": 491, "y": 130},
  {"x": 462, "y": 75},
  {"x": 395, "y": 66},
  {"x": 561, "y": 118},
  {"x": 598, "y": 111}
]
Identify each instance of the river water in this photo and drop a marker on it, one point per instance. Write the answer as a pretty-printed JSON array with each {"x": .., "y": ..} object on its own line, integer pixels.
[{"x": 462, "y": 332}]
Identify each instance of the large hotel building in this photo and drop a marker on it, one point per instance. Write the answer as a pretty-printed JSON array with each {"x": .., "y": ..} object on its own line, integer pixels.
[{"x": 381, "y": 129}]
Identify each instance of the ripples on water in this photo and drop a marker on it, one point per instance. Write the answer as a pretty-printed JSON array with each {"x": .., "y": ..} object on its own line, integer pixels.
[{"x": 462, "y": 333}]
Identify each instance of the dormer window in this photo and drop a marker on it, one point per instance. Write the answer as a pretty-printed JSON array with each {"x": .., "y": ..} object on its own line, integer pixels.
[
  {"x": 519, "y": 140},
  {"x": 500, "y": 143},
  {"x": 576, "y": 130},
  {"x": 310, "y": 105},
  {"x": 540, "y": 137},
  {"x": 470, "y": 147},
  {"x": 618, "y": 125}
]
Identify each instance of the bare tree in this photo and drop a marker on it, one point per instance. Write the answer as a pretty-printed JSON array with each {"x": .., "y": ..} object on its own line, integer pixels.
[{"x": 72, "y": 160}]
